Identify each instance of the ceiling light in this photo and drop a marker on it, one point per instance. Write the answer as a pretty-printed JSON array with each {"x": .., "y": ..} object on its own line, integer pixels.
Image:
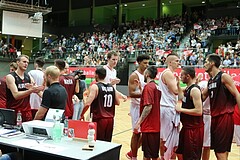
[{"x": 203, "y": 2}]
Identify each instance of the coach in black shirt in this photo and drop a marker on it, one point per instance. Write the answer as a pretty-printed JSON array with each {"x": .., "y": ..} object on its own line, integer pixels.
[{"x": 55, "y": 96}]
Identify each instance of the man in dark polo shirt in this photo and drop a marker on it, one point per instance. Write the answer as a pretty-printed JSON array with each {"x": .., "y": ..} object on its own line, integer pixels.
[{"x": 55, "y": 96}]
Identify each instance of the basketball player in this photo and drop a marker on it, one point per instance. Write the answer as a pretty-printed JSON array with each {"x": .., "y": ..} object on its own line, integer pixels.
[
  {"x": 191, "y": 134},
  {"x": 3, "y": 98},
  {"x": 236, "y": 115},
  {"x": 135, "y": 87},
  {"x": 19, "y": 87},
  {"x": 207, "y": 123},
  {"x": 150, "y": 116},
  {"x": 12, "y": 67},
  {"x": 102, "y": 99},
  {"x": 69, "y": 83},
  {"x": 37, "y": 74},
  {"x": 170, "y": 119},
  {"x": 111, "y": 76},
  {"x": 223, "y": 97}
]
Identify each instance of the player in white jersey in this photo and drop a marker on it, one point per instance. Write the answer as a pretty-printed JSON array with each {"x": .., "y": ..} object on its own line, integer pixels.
[
  {"x": 207, "y": 123},
  {"x": 111, "y": 76},
  {"x": 135, "y": 87},
  {"x": 169, "y": 118},
  {"x": 37, "y": 74}
]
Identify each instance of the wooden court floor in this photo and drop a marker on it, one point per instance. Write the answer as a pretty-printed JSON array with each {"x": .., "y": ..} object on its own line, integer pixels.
[{"x": 122, "y": 134}]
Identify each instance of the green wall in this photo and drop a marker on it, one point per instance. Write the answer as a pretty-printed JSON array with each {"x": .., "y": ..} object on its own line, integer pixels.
[
  {"x": 104, "y": 15},
  {"x": 136, "y": 14},
  {"x": 79, "y": 17},
  {"x": 172, "y": 10}
]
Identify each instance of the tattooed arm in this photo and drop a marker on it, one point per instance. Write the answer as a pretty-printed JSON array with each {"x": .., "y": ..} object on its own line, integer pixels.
[{"x": 147, "y": 109}]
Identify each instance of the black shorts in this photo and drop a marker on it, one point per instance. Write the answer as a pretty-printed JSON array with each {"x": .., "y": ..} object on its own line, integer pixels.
[
  {"x": 104, "y": 129},
  {"x": 191, "y": 143},
  {"x": 150, "y": 144},
  {"x": 222, "y": 128}
]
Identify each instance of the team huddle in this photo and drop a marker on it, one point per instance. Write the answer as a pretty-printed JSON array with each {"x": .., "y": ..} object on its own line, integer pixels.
[
  {"x": 206, "y": 110},
  {"x": 183, "y": 122}
]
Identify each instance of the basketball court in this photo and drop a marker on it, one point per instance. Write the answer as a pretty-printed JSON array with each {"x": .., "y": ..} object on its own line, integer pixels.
[{"x": 122, "y": 134}]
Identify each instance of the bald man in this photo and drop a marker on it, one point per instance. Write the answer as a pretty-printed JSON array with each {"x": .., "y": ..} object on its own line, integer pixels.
[{"x": 170, "y": 119}]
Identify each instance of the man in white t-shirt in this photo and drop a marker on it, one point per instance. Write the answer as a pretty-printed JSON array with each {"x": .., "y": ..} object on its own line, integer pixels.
[{"x": 37, "y": 74}]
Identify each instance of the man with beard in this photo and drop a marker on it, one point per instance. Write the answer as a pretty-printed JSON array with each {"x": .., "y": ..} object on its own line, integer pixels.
[
  {"x": 223, "y": 96},
  {"x": 53, "y": 97},
  {"x": 135, "y": 86},
  {"x": 102, "y": 100},
  {"x": 191, "y": 134},
  {"x": 150, "y": 115}
]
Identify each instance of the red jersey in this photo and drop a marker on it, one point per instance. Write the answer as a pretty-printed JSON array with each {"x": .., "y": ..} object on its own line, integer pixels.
[
  {"x": 69, "y": 83},
  {"x": 236, "y": 115},
  {"x": 221, "y": 99},
  {"x": 22, "y": 105},
  {"x": 103, "y": 106},
  {"x": 3, "y": 93},
  {"x": 190, "y": 121},
  {"x": 151, "y": 96}
]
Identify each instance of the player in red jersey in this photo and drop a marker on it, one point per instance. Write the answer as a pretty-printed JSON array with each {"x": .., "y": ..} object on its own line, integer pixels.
[
  {"x": 102, "y": 99},
  {"x": 191, "y": 135},
  {"x": 3, "y": 96},
  {"x": 223, "y": 96},
  {"x": 69, "y": 83},
  {"x": 236, "y": 115},
  {"x": 19, "y": 87},
  {"x": 150, "y": 116}
]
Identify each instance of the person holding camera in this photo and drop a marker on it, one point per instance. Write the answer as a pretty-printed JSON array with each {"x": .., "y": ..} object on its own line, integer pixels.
[{"x": 78, "y": 97}]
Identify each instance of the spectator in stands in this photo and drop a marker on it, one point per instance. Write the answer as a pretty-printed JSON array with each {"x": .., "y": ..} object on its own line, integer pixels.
[{"x": 227, "y": 62}]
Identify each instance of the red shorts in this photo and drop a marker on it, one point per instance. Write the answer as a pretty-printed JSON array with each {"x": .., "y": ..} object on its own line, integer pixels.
[
  {"x": 26, "y": 115},
  {"x": 191, "y": 143},
  {"x": 150, "y": 144},
  {"x": 222, "y": 128},
  {"x": 104, "y": 129}
]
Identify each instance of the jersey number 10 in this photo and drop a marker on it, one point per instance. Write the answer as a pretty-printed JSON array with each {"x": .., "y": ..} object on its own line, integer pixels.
[{"x": 108, "y": 100}]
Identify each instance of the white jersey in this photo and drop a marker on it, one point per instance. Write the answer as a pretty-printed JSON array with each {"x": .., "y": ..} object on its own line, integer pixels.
[
  {"x": 110, "y": 74},
  {"x": 206, "y": 103},
  {"x": 168, "y": 99},
  {"x": 141, "y": 80},
  {"x": 35, "y": 100}
]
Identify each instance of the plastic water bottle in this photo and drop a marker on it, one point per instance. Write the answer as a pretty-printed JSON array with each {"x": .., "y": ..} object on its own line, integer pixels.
[
  {"x": 57, "y": 128},
  {"x": 91, "y": 133},
  {"x": 65, "y": 130},
  {"x": 19, "y": 120}
]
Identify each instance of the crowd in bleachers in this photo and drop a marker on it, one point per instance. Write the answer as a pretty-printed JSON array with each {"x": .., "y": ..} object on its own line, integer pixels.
[
  {"x": 230, "y": 54},
  {"x": 155, "y": 37},
  {"x": 144, "y": 36}
]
